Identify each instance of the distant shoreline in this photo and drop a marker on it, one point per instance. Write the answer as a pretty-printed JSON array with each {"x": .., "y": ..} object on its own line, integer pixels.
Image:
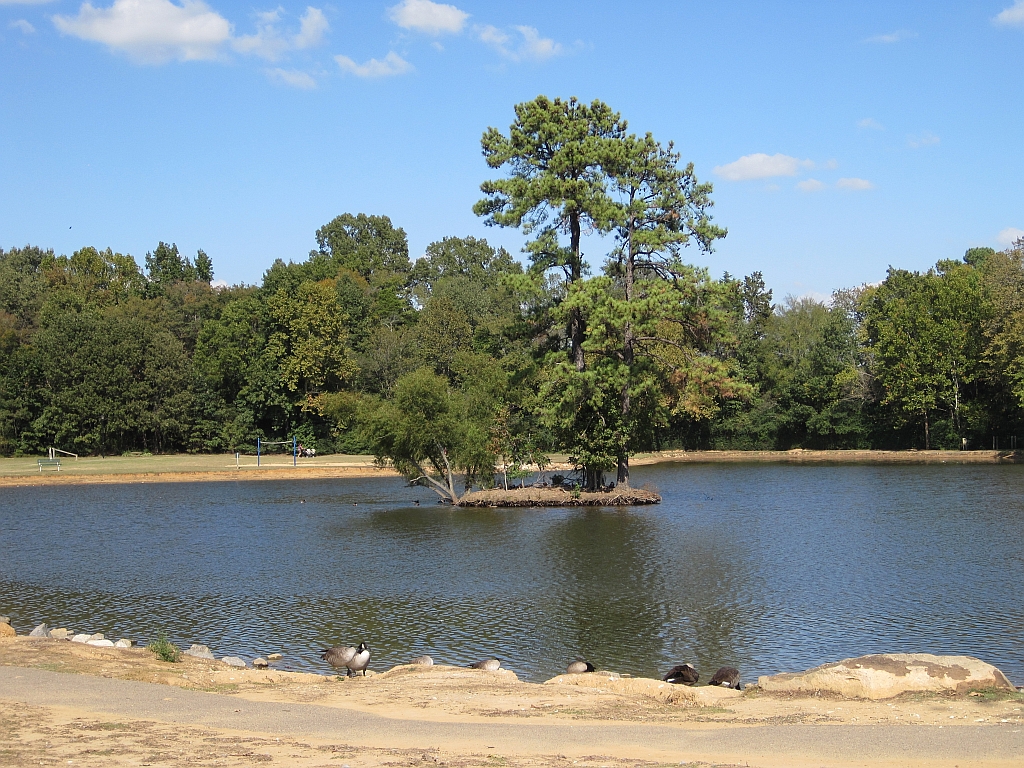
[{"x": 213, "y": 468}]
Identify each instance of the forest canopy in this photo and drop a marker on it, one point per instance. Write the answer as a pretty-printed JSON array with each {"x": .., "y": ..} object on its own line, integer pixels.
[{"x": 466, "y": 360}]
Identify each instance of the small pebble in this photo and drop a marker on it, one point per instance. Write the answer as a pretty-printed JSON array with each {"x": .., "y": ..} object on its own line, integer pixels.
[{"x": 260, "y": 663}]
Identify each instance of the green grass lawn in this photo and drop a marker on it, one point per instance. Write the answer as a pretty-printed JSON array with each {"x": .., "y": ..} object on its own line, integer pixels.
[{"x": 129, "y": 465}]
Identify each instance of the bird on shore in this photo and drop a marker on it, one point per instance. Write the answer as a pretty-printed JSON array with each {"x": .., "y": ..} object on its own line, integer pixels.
[
  {"x": 682, "y": 674},
  {"x": 579, "y": 667},
  {"x": 489, "y": 665},
  {"x": 727, "y": 677},
  {"x": 347, "y": 657}
]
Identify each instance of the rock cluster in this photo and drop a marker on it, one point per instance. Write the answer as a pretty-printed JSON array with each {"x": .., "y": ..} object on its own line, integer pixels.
[{"x": 99, "y": 641}]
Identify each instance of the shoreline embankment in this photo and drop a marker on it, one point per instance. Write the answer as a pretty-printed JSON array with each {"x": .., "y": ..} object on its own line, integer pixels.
[{"x": 222, "y": 468}]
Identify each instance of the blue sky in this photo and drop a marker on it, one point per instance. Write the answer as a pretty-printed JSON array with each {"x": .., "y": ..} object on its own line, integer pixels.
[{"x": 841, "y": 137}]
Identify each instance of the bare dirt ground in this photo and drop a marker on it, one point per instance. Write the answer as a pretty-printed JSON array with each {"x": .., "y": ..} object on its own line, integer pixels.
[{"x": 443, "y": 696}]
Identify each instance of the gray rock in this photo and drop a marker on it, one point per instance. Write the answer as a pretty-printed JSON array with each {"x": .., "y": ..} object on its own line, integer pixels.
[
  {"x": 275, "y": 656},
  {"x": 260, "y": 663},
  {"x": 233, "y": 661},
  {"x": 80, "y": 638},
  {"x": 425, "y": 661},
  {"x": 199, "y": 651},
  {"x": 124, "y": 643},
  {"x": 97, "y": 636},
  {"x": 41, "y": 631},
  {"x": 60, "y": 634},
  {"x": 101, "y": 643}
]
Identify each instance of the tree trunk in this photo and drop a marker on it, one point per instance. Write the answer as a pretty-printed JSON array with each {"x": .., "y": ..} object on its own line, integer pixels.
[{"x": 927, "y": 436}]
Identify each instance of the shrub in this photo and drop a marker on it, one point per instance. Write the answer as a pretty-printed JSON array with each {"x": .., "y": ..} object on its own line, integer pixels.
[{"x": 164, "y": 648}]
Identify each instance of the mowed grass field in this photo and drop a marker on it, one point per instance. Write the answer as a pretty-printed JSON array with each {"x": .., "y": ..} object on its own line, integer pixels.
[{"x": 175, "y": 464}]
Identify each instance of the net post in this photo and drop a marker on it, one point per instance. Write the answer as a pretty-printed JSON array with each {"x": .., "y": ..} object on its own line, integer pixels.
[
  {"x": 257, "y": 451},
  {"x": 295, "y": 456}
]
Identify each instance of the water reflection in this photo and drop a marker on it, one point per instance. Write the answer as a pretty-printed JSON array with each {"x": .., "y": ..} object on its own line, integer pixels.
[{"x": 761, "y": 567}]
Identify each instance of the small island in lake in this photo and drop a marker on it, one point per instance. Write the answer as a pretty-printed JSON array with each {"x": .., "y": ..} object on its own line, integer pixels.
[{"x": 558, "y": 496}]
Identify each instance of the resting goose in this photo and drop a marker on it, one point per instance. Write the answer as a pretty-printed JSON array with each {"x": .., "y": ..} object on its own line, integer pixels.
[
  {"x": 727, "y": 677},
  {"x": 683, "y": 674},
  {"x": 490, "y": 665}
]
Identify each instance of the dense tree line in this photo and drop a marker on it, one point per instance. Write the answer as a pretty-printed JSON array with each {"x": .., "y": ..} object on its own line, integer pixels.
[{"x": 465, "y": 360}]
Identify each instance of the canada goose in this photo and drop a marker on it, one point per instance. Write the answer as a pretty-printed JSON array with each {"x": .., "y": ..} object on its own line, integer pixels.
[
  {"x": 728, "y": 677},
  {"x": 355, "y": 659},
  {"x": 425, "y": 661},
  {"x": 682, "y": 673},
  {"x": 489, "y": 665},
  {"x": 578, "y": 667}
]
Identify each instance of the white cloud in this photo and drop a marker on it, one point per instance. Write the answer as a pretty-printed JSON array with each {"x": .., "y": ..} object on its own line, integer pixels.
[
  {"x": 810, "y": 185},
  {"x": 151, "y": 31},
  {"x": 533, "y": 47},
  {"x": 313, "y": 27},
  {"x": 425, "y": 16},
  {"x": 858, "y": 185},
  {"x": 492, "y": 36},
  {"x": 1009, "y": 236},
  {"x": 870, "y": 123},
  {"x": 392, "y": 64},
  {"x": 926, "y": 139},
  {"x": 267, "y": 43},
  {"x": 761, "y": 166},
  {"x": 271, "y": 44},
  {"x": 24, "y": 26},
  {"x": 1012, "y": 16},
  {"x": 891, "y": 37},
  {"x": 293, "y": 77},
  {"x": 536, "y": 47}
]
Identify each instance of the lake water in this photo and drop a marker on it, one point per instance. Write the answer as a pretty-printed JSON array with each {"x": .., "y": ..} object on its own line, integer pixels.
[{"x": 764, "y": 567}]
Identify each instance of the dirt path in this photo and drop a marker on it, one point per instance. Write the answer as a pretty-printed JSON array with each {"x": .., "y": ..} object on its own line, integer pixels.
[{"x": 117, "y": 707}]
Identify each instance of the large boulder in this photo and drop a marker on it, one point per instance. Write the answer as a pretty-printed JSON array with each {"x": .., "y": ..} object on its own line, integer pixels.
[
  {"x": 885, "y": 675},
  {"x": 41, "y": 631}
]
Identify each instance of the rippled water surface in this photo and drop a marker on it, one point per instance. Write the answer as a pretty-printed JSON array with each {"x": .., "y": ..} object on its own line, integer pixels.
[{"x": 764, "y": 567}]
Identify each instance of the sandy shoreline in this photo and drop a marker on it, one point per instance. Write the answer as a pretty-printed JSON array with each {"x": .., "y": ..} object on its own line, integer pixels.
[
  {"x": 220, "y": 468},
  {"x": 62, "y": 701}
]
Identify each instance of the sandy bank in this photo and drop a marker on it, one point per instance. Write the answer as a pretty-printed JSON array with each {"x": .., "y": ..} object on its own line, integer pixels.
[
  {"x": 125, "y": 708},
  {"x": 214, "y": 715}
]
